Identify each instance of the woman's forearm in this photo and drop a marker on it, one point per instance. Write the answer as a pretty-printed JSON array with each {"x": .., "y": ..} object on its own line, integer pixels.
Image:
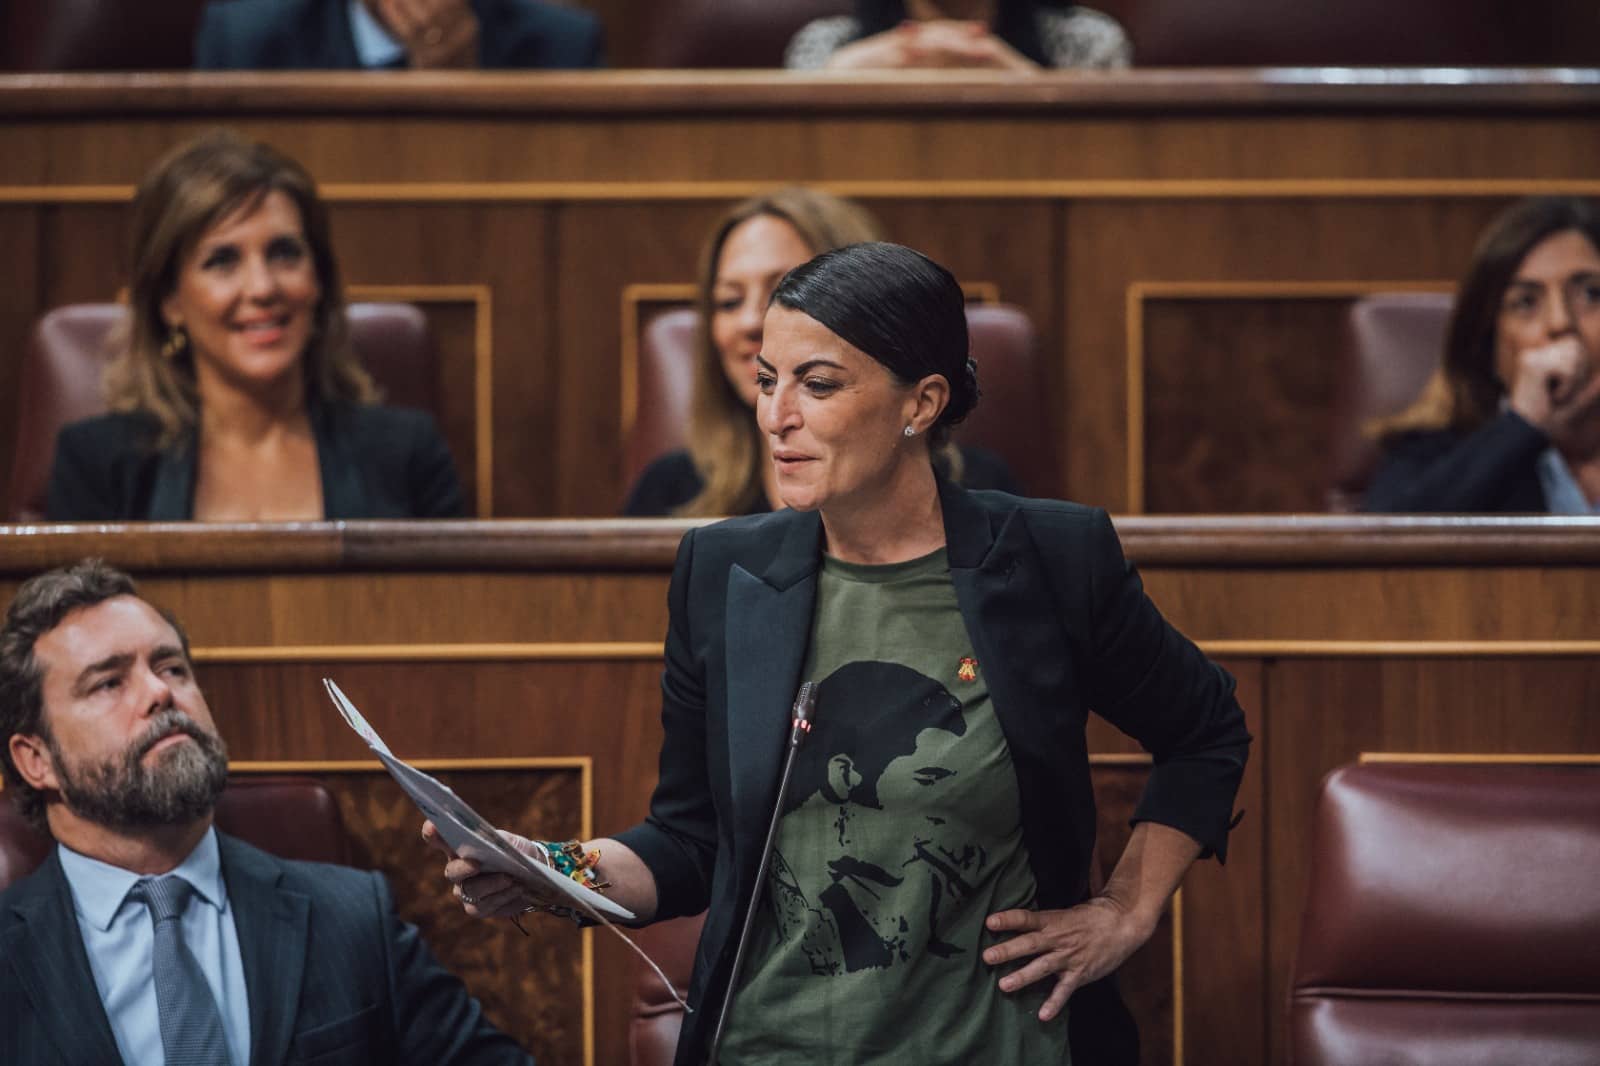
[
  {"x": 1084, "y": 943},
  {"x": 632, "y": 885},
  {"x": 1149, "y": 872}
]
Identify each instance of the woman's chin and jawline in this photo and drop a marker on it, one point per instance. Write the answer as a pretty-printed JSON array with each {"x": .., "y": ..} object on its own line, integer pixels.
[{"x": 884, "y": 519}]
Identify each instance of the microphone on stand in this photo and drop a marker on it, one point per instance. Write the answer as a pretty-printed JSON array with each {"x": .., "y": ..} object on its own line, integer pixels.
[{"x": 805, "y": 708}]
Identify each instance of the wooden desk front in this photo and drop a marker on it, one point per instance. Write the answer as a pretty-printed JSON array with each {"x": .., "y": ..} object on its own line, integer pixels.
[
  {"x": 1186, "y": 242},
  {"x": 523, "y": 659}
]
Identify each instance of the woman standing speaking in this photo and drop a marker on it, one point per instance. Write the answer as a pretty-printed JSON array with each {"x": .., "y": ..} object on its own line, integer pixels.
[{"x": 928, "y": 896}]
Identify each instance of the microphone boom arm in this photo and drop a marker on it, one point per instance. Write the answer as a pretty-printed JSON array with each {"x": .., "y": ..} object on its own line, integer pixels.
[{"x": 805, "y": 708}]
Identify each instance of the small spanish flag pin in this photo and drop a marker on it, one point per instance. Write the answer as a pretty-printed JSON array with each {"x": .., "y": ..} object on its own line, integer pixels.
[{"x": 968, "y": 670}]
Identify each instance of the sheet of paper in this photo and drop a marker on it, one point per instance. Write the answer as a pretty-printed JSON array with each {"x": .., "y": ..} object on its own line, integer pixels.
[{"x": 467, "y": 832}]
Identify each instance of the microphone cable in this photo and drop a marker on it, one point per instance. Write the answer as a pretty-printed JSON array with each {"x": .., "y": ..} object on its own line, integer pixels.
[{"x": 805, "y": 708}]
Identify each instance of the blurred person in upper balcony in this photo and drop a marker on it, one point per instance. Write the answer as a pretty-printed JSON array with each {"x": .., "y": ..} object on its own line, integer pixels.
[
  {"x": 727, "y": 467},
  {"x": 1510, "y": 422},
  {"x": 395, "y": 34},
  {"x": 1016, "y": 35},
  {"x": 234, "y": 395}
]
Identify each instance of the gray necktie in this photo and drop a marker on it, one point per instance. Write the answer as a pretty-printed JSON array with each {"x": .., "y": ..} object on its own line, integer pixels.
[{"x": 191, "y": 1027}]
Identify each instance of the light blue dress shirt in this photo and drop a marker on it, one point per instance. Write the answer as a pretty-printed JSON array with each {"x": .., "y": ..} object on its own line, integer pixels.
[
  {"x": 1562, "y": 494},
  {"x": 120, "y": 939},
  {"x": 374, "y": 46}
]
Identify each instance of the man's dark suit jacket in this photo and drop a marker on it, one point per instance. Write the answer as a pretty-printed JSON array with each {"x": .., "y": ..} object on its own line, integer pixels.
[
  {"x": 316, "y": 35},
  {"x": 376, "y": 462},
  {"x": 1060, "y": 624},
  {"x": 333, "y": 975}
]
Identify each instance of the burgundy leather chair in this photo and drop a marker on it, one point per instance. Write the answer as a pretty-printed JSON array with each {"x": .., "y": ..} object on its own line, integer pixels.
[
  {"x": 729, "y": 33},
  {"x": 1453, "y": 918},
  {"x": 665, "y": 379},
  {"x": 69, "y": 348},
  {"x": 291, "y": 817},
  {"x": 98, "y": 34},
  {"x": 1394, "y": 343},
  {"x": 1014, "y": 419}
]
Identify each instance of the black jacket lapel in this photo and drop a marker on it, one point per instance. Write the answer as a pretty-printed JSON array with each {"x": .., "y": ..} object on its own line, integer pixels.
[
  {"x": 45, "y": 955},
  {"x": 1026, "y": 658},
  {"x": 172, "y": 496},
  {"x": 983, "y": 569},
  {"x": 273, "y": 926},
  {"x": 335, "y": 40},
  {"x": 344, "y": 486},
  {"x": 768, "y": 628}
]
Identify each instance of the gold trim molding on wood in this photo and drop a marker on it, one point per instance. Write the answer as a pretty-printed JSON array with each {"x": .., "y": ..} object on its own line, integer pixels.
[
  {"x": 1177, "y": 977},
  {"x": 1120, "y": 758},
  {"x": 634, "y": 295},
  {"x": 447, "y": 653},
  {"x": 1139, "y": 292},
  {"x": 648, "y": 651},
  {"x": 956, "y": 189},
  {"x": 481, "y": 297},
  {"x": 1395, "y": 649},
  {"x": 581, "y": 763}
]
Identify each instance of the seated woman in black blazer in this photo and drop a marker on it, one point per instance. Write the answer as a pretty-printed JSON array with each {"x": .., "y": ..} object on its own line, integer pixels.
[
  {"x": 234, "y": 397},
  {"x": 1511, "y": 420},
  {"x": 727, "y": 468}
]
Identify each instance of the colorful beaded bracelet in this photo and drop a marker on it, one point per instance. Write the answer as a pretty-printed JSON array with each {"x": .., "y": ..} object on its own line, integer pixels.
[{"x": 568, "y": 858}]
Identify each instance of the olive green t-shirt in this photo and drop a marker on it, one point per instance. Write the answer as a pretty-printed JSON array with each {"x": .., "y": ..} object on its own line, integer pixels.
[{"x": 902, "y": 832}]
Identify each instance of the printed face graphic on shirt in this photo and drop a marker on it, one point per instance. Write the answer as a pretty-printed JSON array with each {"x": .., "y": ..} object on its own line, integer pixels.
[{"x": 870, "y": 874}]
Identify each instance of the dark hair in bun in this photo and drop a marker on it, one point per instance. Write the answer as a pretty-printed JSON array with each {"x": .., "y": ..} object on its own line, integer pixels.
[{"x": 899, "y": 307}]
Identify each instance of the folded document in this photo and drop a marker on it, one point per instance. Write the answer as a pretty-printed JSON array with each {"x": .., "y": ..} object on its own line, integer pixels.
[{"x": 465, "y": 830}]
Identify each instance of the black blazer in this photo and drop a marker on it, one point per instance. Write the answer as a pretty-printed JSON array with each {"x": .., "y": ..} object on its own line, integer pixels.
[
  {"x": 316, "y": 35},
  {"x": 332, "y": 974},
  {"x": 1493, "y": 469},
  {"x": 1060, "y": 622},
  {"x": 376, "y": 462}
]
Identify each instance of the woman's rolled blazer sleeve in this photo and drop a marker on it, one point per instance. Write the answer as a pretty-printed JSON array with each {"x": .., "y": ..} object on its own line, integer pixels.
[
  {"x": 1155, "y": 685},
  {"x": 678, "y": 839}
]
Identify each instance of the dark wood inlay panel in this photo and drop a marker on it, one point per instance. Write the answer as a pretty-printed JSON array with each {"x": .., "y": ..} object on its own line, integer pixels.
[{"x": 532, "y": 988}]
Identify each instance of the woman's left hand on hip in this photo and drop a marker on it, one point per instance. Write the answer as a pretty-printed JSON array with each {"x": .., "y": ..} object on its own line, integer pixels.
[{"x": 1077, "y": 946}]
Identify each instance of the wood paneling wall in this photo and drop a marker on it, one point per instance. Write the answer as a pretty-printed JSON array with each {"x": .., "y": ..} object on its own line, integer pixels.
[
  {"x": 541, "y": 641},
  {"x": 1185, "y": 242},
  {"x": 535, "y": 988}
]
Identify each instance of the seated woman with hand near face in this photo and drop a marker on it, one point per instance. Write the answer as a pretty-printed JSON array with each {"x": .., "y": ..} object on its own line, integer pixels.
[
  {"x": 1022, "y": 36},
  {"x": 727, "y": 467},
  {"x": 1511, "y": 420},
  {"x": 235, "y": 397}
]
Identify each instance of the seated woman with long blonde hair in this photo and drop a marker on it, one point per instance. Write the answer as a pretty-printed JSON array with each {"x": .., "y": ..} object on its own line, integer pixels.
[
  {"x": 727, "y": 468},
  {"x": 235, "y": 397}
]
